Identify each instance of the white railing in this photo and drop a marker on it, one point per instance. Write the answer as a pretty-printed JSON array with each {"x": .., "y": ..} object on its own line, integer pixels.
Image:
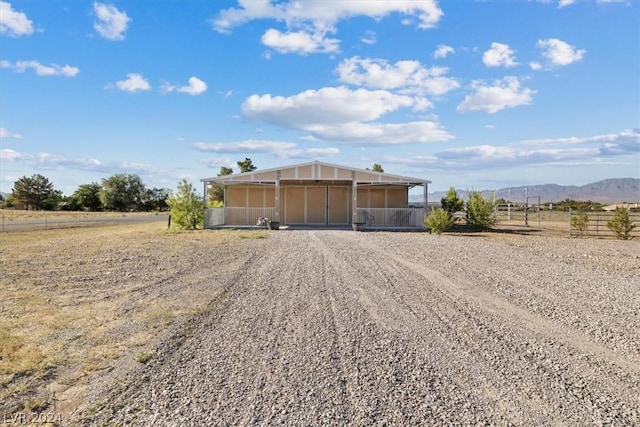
[
  {"x": 391, "y": 217},
  {"x": 213, "y": 217},
  {"x": 236, "y": 216}
]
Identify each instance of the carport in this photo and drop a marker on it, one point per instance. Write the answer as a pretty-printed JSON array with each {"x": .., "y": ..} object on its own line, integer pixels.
[{"x": 317, "y": 194}]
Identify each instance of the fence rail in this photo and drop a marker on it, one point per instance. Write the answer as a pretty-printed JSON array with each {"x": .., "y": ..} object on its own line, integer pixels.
[
  {"x": 391, "y": 217},
  {"x": 11, "y": 223},
  {"x": 597, "y": 225}
]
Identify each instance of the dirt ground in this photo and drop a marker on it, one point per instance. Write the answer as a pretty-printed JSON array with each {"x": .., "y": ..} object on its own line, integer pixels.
[{"x": 328, "y": 327}]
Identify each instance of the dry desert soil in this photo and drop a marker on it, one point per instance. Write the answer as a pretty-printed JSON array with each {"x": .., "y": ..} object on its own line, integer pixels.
[{"x": 140, "y": 326}]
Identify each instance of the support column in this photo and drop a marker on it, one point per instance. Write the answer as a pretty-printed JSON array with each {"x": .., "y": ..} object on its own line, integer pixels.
[
  {"x": 277, "y": 197},
  {"x": 426, "y": 198},
  {"x": 354, "y": 197}
]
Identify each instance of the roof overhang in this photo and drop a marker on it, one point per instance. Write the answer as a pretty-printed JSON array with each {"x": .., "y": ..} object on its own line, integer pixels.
[{"x": 316, "y": 171}]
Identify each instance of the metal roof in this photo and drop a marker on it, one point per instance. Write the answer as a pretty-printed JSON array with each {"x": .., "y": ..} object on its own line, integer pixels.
[{"x": 315, "y": 172}]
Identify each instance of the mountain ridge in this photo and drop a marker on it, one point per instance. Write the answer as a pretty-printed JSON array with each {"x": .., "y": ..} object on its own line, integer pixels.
[{"x": 612, "y": 190}]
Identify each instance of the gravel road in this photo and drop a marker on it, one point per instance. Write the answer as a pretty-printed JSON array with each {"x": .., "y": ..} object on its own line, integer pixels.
[{"x": 346, "y": 328}]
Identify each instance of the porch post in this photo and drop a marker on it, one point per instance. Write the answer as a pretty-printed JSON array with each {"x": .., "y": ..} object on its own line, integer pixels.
[
  {"x": 204, "y": 203},
  {"x": 426, "y": 198},
  {"x": 354, "y": 197},
  {"x": 277, "y": 196}
]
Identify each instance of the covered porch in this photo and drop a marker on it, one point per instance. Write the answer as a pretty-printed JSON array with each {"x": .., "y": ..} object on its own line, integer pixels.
[{"x": 317, "y": 194}]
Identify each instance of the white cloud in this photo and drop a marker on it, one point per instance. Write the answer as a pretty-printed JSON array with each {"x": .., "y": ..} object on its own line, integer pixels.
[
  {"x": 111, "y": 23},
  {"x": 326, "y": 105},
  {"x": 369, "y": 37},
  {"x": 504, "y": 93},
  {"x": 14, "y": 23},
  {"x": 564, "y": 3},
  {"x": 535, "y": 65},
  {"x": 4, "y": 133},
  {"x": 559, "y": 53},
  {"x": 40, "y": 69},
  {"x": 499, "y": 55},
  {"x": 443, "y": 51},
  {"x": 620, "y": 148},
  {"x": 275, "y": 148},
  {"x": 195, "y": 87},
  {"x": 134, "y": 83},
  {"x": 406, "y": 76},
  {"x": 48, "y": 161},
  {"x": 299, "y": 42},
  {"x": 356, "y": 133},
  {"x": 342, "y": 115},
  {"x": 629, "y": 138},
  {"x": 322, "y": 13}
]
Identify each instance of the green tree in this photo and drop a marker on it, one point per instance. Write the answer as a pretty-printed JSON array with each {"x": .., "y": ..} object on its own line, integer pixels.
[
  {"x": 87, "y": 197},
  {"x": 377, "y": 168},
  {"x": 246, "y": 165},
  {"x": 480, "y": 211},
  {"x": 32, "y": 192},
  {"x": 216, "y": 191},
  {"x": 451, "y": 202},
  {"x": 187, "y": 211},
  {"x": 122, "y": 192},
  {"x": 621, "y": 224},
  {"x": 580, "y": 222},
  {"x": 439, "y": 220},
  {"x": 156, "y": 199}
]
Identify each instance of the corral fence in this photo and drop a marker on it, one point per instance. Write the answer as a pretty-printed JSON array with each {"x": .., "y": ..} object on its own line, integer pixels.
[
  {"x": 597, "y": 224},
  {"x": 10, "y": 223},
  {"x": 539, "y": 216}
]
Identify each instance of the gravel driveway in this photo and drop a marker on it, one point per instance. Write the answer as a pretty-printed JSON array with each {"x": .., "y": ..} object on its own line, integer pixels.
[{"x": 338, "y": 327}]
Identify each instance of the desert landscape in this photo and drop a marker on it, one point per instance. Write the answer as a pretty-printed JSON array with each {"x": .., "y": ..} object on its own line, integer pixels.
[{"x": 136, "y": 325}]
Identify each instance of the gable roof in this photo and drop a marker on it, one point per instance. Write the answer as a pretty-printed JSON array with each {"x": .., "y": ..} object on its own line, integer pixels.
[{"x": 318, "y": 171}]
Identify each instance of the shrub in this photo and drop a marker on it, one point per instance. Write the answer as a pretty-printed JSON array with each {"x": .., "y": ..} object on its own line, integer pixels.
[
  {"x": 439, "y": 220},
  {"x": 621, "y": 224},
  {"x": 451, "y": 202},
  {"x": 580, "y": 222},
  {"x": 480, "y": 211},
  {"x": 187, "y": 211}
]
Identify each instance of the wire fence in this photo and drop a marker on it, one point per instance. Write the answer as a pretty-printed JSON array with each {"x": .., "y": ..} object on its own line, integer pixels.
[
  {"x": 41, "y": 221},
  {"x": 596, "y": 223}
]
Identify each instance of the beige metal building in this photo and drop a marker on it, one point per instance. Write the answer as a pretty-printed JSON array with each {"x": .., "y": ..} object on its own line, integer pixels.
[{"x": 319, "y": 194}]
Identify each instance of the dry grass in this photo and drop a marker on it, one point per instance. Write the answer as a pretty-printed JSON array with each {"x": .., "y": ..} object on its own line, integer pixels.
[{"x": 81, "y": 303}]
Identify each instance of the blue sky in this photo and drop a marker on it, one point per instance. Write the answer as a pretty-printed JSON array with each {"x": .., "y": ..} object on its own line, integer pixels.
[{"x": 471, "y": 94}]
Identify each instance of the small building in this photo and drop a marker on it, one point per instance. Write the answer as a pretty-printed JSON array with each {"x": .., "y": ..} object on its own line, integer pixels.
[{"x": 317, "y": 194}]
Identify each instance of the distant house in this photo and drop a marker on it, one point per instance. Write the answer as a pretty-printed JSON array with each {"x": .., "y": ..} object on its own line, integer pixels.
[
  {"x": 317, "y": 194},
  {"x": 611, "y": 208}
]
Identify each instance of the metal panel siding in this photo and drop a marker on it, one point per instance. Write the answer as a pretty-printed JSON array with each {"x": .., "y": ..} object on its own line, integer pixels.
[
  {"x": 367, "y": 177},
  {"x": 377, "y": 198},
  {"x": 397, "y": 198},
  {"x": 363, "y": 198},
  {"x": 294, "y": 205},
  {"x": 339, "y": 205},
  {"x": 236, "y": 196},
  {"x": 316, "y": 205},
  {"x": 306, "y": 172},
  {"x": 256, "y": 197},
  {"x": 344, "y": 174}
]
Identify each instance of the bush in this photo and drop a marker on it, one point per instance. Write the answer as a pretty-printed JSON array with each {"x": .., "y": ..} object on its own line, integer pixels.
[
  {"x": 439, "y": 220},
  {"x": 580, "y": 222},
  {"x": 451, "y": 202},
  {"x": 187, "y": 210},
  {"x": 621, "y": 224},
  {"x": 480, "y": 211}
]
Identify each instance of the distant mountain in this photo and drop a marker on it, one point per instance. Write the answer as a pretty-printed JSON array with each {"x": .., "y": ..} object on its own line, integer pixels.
[
  {"x": 3, "y": 195},
  {"x": 615, "y": 190}
]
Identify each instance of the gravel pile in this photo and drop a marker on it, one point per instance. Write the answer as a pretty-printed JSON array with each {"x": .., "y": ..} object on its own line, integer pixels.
[{"x": 339, "y": 327}]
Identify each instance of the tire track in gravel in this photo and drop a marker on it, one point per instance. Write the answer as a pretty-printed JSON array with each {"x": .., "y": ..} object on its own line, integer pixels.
[
  {"x": 401, "y": 316},
  {"x": 335, "y": 328},
  {"x": 550, "y": 374}
]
